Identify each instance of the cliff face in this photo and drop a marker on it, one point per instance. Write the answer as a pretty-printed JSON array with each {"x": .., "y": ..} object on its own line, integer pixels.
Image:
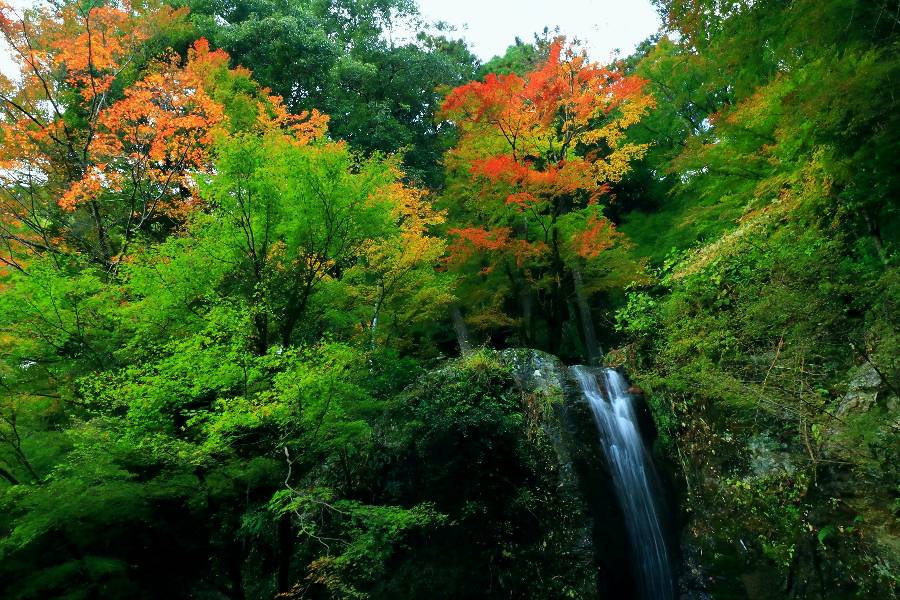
[
  {"x": 768, "y": 514},
  {"x": 583, "y": 469},
  {"x": 483, "y": 440},
  {"x": 761, "y": 512}
]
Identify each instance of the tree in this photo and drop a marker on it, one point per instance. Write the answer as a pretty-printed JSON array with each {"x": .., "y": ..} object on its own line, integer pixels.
[
  {"x": 536, "y": 155},
  {"x": 294, "y": 218},
  {"x": 75, "y": 173},
  {"x": 342, "y": 58}
]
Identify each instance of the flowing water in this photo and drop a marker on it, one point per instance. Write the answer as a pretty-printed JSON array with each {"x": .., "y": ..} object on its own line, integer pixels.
[{"x": 634, "y": 477}]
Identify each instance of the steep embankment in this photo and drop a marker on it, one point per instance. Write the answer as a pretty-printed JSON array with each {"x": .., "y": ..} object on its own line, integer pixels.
[
  {"x": 769, "y": 355},
  {"x": 504, "y": 445}
]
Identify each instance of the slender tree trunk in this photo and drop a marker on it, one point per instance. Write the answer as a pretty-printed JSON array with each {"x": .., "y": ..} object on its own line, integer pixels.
[
  {"x": 556, "y": 318},
  {"x": 296, "y": 307},
  {"x": 285, "y": 550},
  {"x": 462, "y": 331},
  {"x": 261, "y": 322},
  {"x": 558, "y": 308},
  {"x": 8, "y": 476},
  {"x": 235, "y": 571},
  {"x": 527, "y": 304},
  {"x": 875, "y": 234},
  {"x": 592, "y": 346}
]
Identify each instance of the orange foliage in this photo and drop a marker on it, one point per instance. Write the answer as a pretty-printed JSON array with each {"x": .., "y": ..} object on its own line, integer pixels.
[
  {"x": 522, "y": 200},
  {"x": 540, "y": 146},
  {"x": 154, "y": 137},
  {"x": 129, "y": 156},
  {"x": 483, "y": 239},
  {"x": 600, "y": 234}
]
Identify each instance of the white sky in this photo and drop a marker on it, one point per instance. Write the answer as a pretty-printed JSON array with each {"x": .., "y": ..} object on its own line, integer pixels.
[
  {"x": 601, "y": 25},
  {"x": 491, "y": 25}
]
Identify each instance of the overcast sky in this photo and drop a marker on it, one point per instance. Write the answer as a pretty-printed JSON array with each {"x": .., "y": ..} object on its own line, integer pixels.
[
  {"x": 602, "y": 25},
  {"x": 491, "y": 25}
]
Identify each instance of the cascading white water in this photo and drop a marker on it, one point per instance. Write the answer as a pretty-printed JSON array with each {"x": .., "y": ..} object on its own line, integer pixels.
[{"x": 634, "y": 478}]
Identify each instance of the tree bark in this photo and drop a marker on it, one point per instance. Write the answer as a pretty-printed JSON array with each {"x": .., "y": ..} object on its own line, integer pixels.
[
  {"x": 527, "y": 304},
  {"x": 285, "y": 550},
  {"x": 462, "y": 331},
  {"x": 235, "y": 561},
  {"x": 875, "y": 234},
  {"x": 591, "y": 345},
  {"x": 8, "y": 476}
]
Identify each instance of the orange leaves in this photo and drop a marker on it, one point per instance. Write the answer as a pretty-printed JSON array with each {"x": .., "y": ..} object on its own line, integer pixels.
[
  {"x": 483, "y": 239},
  {"x": 500, "y": 168},
  {"x": 599, "y": 235},
  {"x": 566, "y": 177},
  {"x": 211, "y": 68},
  {"x": 163, "y": 129},
  {"x": 478, "y": 101},
  {"x": 471, "y": 241},
  {"x": 95, "y": 182},
  {"x": 522, "y": 200},
  {"x": 547, "y": 113},
  {"x": 124, "y": 154},
  {"x": 154, "y": 137},
  {"x": 538, "y": 151},
  {"x": 89, "y": 45},
  {"x": 304, "y": 127},
  {"x": 93, "y": 56}
]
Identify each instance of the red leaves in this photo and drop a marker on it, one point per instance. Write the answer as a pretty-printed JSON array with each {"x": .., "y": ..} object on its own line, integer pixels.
[
  {"x": 471, "y": 241},
  {"x": 522, "y": 200},
  {"x": 600, "y": 235},
  {"x": 132, "y": 154},
  {"x": 538, "y": 151},
  {"x": 484, "y": 239}
]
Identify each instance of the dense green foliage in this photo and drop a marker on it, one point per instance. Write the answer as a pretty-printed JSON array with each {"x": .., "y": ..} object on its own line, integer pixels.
[
  {"x": 774, "y": 181},
  {"x": 339, "y": 57},
  {"x": 223, "y": 366}
]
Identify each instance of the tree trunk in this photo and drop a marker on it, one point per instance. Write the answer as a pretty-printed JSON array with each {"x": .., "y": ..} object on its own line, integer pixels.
[
  {"x": 875, "y": 234},
  {"x": 558, "y": 305},
  {"x": 462, "y": 331},
  {"x": 527, "y": 304},
  {"x": 285, "y": 551},
  {"x": 235, "y": 572},
  {"x": 8, "y": 476},
  {"x": 592, "y": 347},
  {"x": 261, "y": 322}
]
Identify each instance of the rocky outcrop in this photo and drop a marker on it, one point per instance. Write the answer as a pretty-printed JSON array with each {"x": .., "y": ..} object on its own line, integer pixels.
[
  {"x": 584, "y": 475},
  {"x": 769, "y": 513}
]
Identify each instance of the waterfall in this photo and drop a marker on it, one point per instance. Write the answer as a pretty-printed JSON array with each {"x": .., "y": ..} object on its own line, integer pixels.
[{"x": 634, "y": 478}]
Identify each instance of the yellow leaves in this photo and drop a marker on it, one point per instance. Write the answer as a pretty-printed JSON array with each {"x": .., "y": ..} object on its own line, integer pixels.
[
  {"x": 628, "y": 113},
  {"x": 412, "y": 246},
  {"x": 412, "y": 209},
  {"x": 617, "y": 163}
]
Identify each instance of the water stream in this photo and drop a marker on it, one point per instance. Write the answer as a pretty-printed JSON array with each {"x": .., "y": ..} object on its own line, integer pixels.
[{"x": 634, "y": 477}]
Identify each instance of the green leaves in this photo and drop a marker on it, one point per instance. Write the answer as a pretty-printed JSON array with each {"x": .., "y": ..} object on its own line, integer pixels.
[{"x": 337, "y": 57}]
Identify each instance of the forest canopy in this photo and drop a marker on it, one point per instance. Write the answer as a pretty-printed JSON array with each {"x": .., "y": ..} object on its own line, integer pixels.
[{"x": 258, "y": 261}]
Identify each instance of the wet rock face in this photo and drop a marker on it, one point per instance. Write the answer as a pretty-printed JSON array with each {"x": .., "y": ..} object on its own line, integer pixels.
[
  {"x": 538, "y": 372},
  {"x": 862, "y": 391},
  {"x": 584, "y": 474},
  {"x": 846, "y": 535},
  {"x": 768, "y": 456}
]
